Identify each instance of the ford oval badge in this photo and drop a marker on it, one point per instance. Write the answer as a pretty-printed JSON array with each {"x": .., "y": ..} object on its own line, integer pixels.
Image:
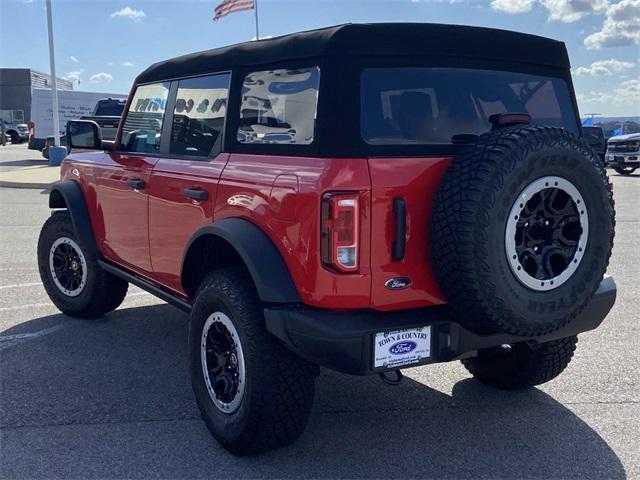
[
  {"x": 397, "y": 283},
  {"x": 402, "y": 347}
]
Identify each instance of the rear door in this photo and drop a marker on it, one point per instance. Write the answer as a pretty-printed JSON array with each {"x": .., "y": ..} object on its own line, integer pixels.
[
  {"x": 122, "y": 181},
  {"x": 183, "y": 185}
]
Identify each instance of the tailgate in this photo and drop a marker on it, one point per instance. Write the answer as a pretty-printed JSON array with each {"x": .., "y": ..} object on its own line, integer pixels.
[{"x": 413, "y": 182}]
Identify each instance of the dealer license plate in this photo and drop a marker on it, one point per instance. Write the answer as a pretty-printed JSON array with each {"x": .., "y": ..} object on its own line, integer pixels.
[{"x": 401, "y": 347}]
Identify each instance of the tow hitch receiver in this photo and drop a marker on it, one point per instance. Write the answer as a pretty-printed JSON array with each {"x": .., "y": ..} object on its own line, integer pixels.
[{"x": 389, "y": 380}]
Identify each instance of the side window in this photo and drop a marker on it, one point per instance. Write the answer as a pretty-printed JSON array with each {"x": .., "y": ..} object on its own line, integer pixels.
[
  {"x": 279, "y": 106},
  {"x": 198, "y": 117},
  {"x": 143, "y": 123}
]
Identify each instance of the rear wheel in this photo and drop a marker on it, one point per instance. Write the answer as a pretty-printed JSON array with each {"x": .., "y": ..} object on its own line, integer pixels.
[
  {"x": 625, "y": 170},
  {"x": 254, "y": 394},
  {"x": 70, "y": 273},
  {"x": 522, "y": 365}
]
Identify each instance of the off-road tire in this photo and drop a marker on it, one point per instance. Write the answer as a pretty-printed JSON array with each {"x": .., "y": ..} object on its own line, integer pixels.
[
  {"x": 279, "y": 386},
  {"x": 467, "y": 231},
  {"x": 102, "y": 293},
  {"x": 524, "y": 366},
  {"x": 623, "y": 171}
]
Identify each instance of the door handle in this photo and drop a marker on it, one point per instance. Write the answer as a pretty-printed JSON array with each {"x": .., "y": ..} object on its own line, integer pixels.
[
  {"x": 135, "y": 183},
  {"x": 196, "y": 194},
  {"x": 398, "y": 245}
]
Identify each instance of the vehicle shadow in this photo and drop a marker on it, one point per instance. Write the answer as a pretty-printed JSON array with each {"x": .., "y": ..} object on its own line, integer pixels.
[
  {"x": 24, "y": 163},
  {"x": 111, "y": 399}
]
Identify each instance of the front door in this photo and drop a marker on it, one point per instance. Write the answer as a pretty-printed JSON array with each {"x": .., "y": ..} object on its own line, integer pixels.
[
  {"x": 122, "y": 204},
  {"x": 122, "y": 181},
  {"x": 183, "y": 186}
]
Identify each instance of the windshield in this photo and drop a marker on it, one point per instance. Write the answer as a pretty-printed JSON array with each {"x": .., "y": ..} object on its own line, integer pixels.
[{"x": 424, "y": 106}]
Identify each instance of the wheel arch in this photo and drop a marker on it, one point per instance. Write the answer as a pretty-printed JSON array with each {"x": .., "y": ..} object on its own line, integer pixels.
[
  {"x": 232, "y": 242},
  {"x": 68, "y": 195}
]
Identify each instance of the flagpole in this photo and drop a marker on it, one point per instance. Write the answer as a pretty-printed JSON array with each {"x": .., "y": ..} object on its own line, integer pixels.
[
  {"x": 255, "y": 11},
  {"x": 54, "y": 83}
]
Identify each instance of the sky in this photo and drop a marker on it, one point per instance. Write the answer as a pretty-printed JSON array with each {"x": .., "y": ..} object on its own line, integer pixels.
[{"x": 103, "y": 44}]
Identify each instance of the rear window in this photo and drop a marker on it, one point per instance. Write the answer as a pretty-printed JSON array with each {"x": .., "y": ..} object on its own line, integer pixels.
[
  {"x": 109, "y": 108},
  {"x": 198, "y": 117},
  {"x": 593, "y": 134},
  {"x": 279, "y": 106},
  {"x": 423, "y": 106}
]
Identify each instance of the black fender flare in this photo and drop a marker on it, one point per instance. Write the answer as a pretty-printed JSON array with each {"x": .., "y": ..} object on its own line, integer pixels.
[
  {"x": 266, "y": 266},
  {"x": 68, "y": 194}
]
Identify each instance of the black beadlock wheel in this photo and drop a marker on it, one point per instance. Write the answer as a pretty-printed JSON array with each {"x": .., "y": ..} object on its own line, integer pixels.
[
  {"x": 522, "y": 230},
  {"x": 253, "y": 394},
  {"x": 71, "y": 275},
  {"x": 519, "y": 366}
]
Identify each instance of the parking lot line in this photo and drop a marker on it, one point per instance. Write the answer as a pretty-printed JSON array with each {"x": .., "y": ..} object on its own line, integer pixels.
[{"x": 20, "y": 285}]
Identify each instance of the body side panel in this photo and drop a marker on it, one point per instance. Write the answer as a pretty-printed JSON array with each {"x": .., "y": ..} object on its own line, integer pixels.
[{"x": 256, "y": 187}]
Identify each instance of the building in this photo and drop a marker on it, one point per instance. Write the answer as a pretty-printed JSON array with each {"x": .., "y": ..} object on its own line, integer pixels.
[{"x": 16, "y": 86}]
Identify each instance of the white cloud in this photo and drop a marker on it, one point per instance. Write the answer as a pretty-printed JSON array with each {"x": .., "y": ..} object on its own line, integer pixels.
[
  {"x": 621, "y": 26},
  {"x": 101, "y": 77},
  {"x": 572, "y": 10},
  {"x": 73, "y": 59},
  {"x": 604, "y": 67},
  {"x": 512, "y": 6},
  {"x": 629, "y": 90},
  {"x": 127, "y": 64},
  {"x": 128, "y": 12},
  {"x": 623, "y": 99},
  {"x": 74, "y": 75}
]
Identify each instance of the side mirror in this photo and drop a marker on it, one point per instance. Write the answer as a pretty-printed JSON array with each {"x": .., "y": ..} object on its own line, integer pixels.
[{"x": 84, "y": 134}]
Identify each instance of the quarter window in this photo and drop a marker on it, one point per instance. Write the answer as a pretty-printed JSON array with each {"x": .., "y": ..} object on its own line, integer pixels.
[
  {"x": 279, "y": 106},
  {"x": 143, "y": 124},
  {"x": 198, "y": 117}
]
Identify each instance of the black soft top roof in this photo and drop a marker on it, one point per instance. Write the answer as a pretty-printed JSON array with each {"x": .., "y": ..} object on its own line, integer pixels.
[{"x": 378, "y": 39}]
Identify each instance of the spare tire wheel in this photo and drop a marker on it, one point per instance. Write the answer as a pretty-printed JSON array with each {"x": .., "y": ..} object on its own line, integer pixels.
[{"x": 522, "y": 230}]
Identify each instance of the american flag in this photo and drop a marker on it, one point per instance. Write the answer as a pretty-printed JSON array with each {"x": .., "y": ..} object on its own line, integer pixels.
[{"x": 230, "y": 6}]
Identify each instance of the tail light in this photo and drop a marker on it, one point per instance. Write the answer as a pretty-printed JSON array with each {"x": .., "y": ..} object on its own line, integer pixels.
[
  {"x": 32, "y": 130},
  {"x": 340, "y": 231}
]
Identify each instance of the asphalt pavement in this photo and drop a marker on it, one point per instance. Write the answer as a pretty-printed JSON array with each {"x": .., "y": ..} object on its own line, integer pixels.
[{"x": 111, "y": 398}]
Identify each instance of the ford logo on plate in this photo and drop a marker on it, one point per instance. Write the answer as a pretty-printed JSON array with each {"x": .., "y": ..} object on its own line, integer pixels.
[
  {"x": 402, "y": 347},
  {"x": 397, "y": 283}
]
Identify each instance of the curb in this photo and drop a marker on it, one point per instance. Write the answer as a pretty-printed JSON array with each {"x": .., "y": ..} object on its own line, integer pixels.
[{"x": 39, "y": 186}]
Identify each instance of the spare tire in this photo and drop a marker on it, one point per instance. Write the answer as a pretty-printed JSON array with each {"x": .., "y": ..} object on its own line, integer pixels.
[{"x": 522, "y": 230}]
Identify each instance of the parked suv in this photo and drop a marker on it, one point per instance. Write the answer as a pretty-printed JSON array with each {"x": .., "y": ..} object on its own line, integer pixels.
[
  {"x": 623, "y": 153},
  {"x": 364, "y": 198}
]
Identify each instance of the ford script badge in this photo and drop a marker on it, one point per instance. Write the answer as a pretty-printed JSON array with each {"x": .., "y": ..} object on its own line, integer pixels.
[
  {"x": 402, "y": 347},
  {"x": 397, "y": 283}
]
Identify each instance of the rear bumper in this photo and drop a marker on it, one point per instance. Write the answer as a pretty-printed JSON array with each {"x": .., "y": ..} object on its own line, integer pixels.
[{"x": 343, "y": 341}]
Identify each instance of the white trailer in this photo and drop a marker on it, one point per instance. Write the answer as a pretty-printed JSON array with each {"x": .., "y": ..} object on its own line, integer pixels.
[{"x": 72, "y": 106}]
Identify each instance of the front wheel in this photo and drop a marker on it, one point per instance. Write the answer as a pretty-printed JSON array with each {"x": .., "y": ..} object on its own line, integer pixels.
[
  {"x": 254, "y": 394},
  {"x": 522, "y": 365},
  {"x": 70, "y": 273},
  {"x": 625, "y": 170}
]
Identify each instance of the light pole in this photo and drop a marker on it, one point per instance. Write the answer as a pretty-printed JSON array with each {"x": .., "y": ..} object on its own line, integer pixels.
[{"x": 54, "y": 83}]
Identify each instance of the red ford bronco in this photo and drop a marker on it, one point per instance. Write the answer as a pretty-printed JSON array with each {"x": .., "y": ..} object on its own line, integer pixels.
[{"x": 364, "y": 198}]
